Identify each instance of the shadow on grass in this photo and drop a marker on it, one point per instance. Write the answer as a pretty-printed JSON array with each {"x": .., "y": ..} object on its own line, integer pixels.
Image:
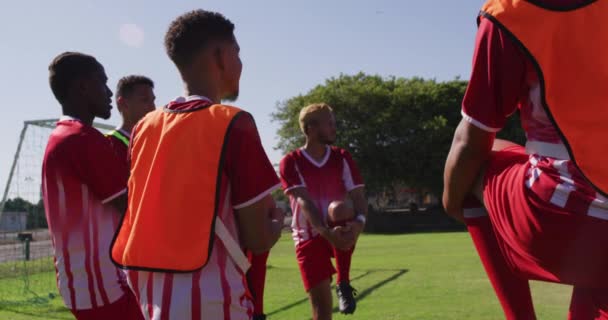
[
  {"x": 55, "y": 314},
  {"x": 397, "y": 273},
  {"x": 361, "y": 295},
  {"x": 40, "y": 308}
]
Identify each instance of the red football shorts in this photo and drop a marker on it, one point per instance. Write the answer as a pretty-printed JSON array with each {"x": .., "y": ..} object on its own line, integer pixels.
[
  {"x": 539, "y": 240},
  {"x": 314, "y": 259}
]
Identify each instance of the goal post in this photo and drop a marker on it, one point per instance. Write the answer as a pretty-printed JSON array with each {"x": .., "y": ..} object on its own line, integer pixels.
[{"x": 26, "y": 169}]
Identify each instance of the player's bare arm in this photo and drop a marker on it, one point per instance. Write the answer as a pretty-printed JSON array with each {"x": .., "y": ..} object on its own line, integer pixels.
[
  {"x": 470, "y": 149},
  {"x": 260, "y": 225},
  {"x": 333, "y": 235},
  {"x": 357, "y": 195}
]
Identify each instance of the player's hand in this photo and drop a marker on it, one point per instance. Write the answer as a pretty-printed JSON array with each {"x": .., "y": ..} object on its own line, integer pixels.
[
  {"x": 349, "y": 235},
  {"x": 356, "y": 227},
  {"x": 341, "y": 237}
]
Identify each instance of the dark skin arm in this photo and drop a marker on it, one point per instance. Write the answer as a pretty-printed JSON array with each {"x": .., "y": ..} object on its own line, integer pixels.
[
  {"x": 360, "y": 204},
  {"x": 260, "y": 225},
  {"x": 470, "y": 149}
]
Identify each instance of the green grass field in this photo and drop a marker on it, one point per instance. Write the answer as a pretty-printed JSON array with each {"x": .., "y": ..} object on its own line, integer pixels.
[{"x": 414, "y": 276}]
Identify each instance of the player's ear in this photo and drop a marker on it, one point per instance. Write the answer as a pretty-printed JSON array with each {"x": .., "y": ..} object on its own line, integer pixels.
[
  {"x": 80, "y": 87},
  {"x": 223, "y": 54},
  {"x": 121, "y": 103},
  {"x": 219, "y": 57}
]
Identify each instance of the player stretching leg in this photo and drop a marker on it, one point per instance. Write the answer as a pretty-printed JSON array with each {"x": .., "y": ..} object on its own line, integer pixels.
[
  {"x": 546, "y": 211},
  {"x": 313, "y": 177}
]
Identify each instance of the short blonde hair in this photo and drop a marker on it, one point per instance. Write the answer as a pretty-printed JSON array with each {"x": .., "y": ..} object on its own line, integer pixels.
[{"x": 309, "y": 115}]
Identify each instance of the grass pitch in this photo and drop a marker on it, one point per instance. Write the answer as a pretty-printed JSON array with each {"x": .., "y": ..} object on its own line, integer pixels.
[{"x": 413, "y": 276}]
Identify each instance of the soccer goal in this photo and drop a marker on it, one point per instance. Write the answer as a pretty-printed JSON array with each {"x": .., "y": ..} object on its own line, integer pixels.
[{"x": 26, "y": 254}]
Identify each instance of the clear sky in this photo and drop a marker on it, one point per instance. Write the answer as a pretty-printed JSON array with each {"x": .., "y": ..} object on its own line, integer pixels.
[{"x": 287, "y": 48}]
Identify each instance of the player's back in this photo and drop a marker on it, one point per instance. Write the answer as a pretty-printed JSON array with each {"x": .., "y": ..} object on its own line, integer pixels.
[
  {"x": 550, "y": 174},
  {"x": 218, "y": 290},
  {"x": 81, "y": 225}
]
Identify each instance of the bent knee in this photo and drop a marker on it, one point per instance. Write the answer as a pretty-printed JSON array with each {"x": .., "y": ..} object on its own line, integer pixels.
[{"x": 340, "y": 211}]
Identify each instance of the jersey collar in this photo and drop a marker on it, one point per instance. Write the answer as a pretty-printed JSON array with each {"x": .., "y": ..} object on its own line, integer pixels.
[{"x": 313, "y": 161}]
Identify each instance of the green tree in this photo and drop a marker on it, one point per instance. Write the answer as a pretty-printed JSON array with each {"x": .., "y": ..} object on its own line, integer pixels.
[
  {"x": 35, "y": 212},
  {"x": 36, "y": 217},
  {"x": 17, "y": 204},
  {"x": 398, "y": 130}
]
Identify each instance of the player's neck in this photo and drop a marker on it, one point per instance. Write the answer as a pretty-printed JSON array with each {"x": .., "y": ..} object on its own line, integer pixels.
[
  {"x": 127, "y": 127},
  {"x": 315, "y": 149},
  {"x": 77, "y": 113},
  {"x": 203, "y": 88}
]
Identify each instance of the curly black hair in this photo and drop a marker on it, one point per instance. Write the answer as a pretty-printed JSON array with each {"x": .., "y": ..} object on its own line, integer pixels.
[{"x": 192, "y": 31}]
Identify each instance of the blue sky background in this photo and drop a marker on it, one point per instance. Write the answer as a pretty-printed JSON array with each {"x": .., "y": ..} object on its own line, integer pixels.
[{"x": 287, "y": 48}]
